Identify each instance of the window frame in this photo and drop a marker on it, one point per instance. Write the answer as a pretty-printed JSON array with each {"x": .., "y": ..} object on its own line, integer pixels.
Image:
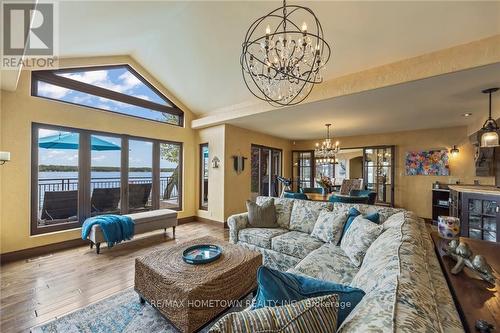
[
  {"x": 201, "y": 179},
  {"x": 49, "y": 77},
  {"x": 84, "y": 175}
]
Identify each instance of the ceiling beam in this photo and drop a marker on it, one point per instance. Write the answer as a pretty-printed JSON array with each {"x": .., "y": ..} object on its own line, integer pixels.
[{"x": 474, "y": 54}]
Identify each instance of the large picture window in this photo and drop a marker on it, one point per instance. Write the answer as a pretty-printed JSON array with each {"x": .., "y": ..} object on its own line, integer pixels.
[
  {"x": 79, "y": 173},
  {"x": 119, "y": 89}
]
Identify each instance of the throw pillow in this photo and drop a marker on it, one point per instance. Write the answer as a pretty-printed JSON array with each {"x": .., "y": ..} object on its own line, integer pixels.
[
  {"x": 317, "y": 315},
  {"x": 262, "y": 216},
  {"x": 358, "y": 239},
  {"x": 352, "y": 214},
  {"x": 329, "y": 225},
  {"x": 277, "y": 288},
  {"x": 305, "y": 213}
]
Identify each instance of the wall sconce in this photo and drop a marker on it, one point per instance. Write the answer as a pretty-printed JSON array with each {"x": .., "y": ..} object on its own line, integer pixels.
[
  {"x": 4, "y": 157},
  {"x": 215, "y": 162},
  {"x": 454, "y": 151}
]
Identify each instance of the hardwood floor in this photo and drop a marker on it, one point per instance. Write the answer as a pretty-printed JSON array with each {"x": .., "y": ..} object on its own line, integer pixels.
[{"x": 36, "y": 290}]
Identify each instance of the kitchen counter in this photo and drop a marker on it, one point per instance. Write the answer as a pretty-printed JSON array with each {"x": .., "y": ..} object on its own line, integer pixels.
[{"x": 481, "y": 189}]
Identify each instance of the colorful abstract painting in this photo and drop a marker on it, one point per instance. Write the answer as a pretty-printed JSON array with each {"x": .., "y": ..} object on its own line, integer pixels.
[{"x": 427, "y": 163}]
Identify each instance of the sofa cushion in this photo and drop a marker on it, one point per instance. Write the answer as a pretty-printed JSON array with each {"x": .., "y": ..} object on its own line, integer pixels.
[
  {"x": 305, "y": 213},
  {"x": 358, "y": 239},
  {"x": 295, "y": 243},
  {"x": 272, "y": 259},
  {"x": 328, "y": 263},
  {"x": 384, "y": 212},
  {"x": 260, "y": 236},
  {"x": 310, "y": 315},
  {"x": 352, "y": 214},
  {"x": 262, "y": 216},
  {"x": 277, "y": 288},
  {"x": 283, "y": 209},
  {"x": 329, "y": 225}
]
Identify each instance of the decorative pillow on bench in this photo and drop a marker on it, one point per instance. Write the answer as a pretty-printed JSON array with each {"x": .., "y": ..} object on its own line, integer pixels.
[
  {"x": 329, "y": 226},
  {"x": 277, "y": 288},
  {"x": 358, "y": 238},
  {"x": 317, "y": 315}
]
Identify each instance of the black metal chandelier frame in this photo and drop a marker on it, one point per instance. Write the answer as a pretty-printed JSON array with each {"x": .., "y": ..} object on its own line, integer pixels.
[{"x": 308, "y": 78}]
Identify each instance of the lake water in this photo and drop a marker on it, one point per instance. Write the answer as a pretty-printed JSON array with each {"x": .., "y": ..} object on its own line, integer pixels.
[{"x": 96, "y": 174}]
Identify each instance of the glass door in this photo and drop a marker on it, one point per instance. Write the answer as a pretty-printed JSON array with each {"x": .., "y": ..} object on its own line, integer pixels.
[
  {"x": 378, "y": 173},
  {"x": 266, "y": 164},
  {"x": 303, "y": 169}
]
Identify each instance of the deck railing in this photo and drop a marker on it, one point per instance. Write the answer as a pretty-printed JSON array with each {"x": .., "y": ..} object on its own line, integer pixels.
[{"x": 71, "y": 184}]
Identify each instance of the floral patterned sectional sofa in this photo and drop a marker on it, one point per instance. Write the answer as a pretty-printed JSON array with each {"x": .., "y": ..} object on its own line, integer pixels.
[{"x": 400, "y": 274}]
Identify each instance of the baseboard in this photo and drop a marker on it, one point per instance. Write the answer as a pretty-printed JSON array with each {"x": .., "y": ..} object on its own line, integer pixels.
[
  {"x": 208, "y": 221},
  {"x": 72, "y": 243},
  {"x": 184, "y": 220},
  {"x": 40, "y": 250}
]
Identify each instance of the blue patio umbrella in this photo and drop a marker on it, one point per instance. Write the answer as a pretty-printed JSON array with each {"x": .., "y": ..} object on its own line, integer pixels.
[{"x": 71, "y": 141}]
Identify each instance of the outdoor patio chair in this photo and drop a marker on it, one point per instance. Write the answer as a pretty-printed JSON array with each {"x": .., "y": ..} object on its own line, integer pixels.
[
  {"x": 59, "y": 205},
  {"x": 138, "y": 195},
  {"x": 105, "y": 200}
]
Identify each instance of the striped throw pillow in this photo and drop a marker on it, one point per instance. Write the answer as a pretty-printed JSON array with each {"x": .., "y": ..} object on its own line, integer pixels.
[{"x": 318, "y": 314}]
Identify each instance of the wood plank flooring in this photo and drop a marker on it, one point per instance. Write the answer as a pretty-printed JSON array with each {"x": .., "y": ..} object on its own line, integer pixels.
[{"x": 39, "y": 289}]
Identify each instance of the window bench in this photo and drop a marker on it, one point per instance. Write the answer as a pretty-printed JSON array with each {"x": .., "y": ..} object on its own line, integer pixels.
[{"x": 144, "y": 222}]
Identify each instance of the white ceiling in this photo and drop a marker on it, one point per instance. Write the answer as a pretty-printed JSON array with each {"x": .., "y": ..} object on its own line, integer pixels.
[
  {"x": 435, "y": 102},
  {"x": 193, "y": 47}
]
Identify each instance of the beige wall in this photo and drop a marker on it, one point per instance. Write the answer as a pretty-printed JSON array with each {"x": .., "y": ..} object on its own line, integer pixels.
[
  {"x": 228, "y": 191},
  {"x": 215, "y": 137},
  {"x": 414, "y": 192},
  {"x": 239, "y": 142},
  {"x": 20, "y": 110}
]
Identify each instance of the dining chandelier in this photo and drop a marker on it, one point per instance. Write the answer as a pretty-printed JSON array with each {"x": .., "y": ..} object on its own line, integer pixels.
[
  {"x": 326, "y": 152},
  {"x": 281, "y": 59}
]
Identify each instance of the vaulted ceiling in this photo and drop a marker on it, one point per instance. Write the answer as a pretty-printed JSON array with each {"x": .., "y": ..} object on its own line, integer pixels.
[{"x": 193, "y": 48}]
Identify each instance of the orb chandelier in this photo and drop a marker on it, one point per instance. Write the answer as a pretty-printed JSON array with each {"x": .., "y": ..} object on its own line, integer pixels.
[
  {"x": 325, "y": 153},
  {"x": 281, "y": 59}
]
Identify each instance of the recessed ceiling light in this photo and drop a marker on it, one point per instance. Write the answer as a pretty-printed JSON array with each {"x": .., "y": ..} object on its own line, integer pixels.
[{"x": 468, "y": 114}]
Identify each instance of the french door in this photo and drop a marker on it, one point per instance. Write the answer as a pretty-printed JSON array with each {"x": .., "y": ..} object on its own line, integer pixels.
[{"x": 266, "y": 165}]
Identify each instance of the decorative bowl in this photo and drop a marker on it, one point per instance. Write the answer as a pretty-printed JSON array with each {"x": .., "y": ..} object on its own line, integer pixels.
[
  {"x": 448, "y": 227},
  {"x": 201, "y": 254}
]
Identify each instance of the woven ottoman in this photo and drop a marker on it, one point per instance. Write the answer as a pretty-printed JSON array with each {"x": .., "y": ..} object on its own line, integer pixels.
[{"x": 190, "y": 296}]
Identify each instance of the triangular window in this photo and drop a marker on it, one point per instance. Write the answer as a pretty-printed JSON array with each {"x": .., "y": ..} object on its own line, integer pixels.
[{"x": 117, "y": 88}]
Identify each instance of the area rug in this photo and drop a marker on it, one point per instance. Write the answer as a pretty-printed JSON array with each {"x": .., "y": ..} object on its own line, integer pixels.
[{"x": 121, "y": 312}]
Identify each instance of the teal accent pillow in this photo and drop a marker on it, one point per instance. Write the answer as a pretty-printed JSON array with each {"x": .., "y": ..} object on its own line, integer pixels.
[
  {"x": 353, "y": 212},
  {"x": 277, "y": 288}
]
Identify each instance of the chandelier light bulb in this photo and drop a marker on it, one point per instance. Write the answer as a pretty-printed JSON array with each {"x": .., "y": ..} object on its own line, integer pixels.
[
  {"x": 268, "y": 30},
  {"x": 304, "y": 27}
]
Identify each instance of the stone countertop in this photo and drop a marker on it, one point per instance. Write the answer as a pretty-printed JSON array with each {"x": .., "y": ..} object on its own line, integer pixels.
[{"x": 481, "y": 189}]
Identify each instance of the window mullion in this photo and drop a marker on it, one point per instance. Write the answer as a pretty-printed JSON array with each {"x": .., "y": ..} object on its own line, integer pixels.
[
  {"x": 155, "y": 191},
  {"x": 124, "y": 175},
  {"x": 84, "y": 176}
]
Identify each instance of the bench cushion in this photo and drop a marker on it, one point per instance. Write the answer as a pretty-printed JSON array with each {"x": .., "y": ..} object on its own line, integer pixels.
[{"x": 152, "y": 215}]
